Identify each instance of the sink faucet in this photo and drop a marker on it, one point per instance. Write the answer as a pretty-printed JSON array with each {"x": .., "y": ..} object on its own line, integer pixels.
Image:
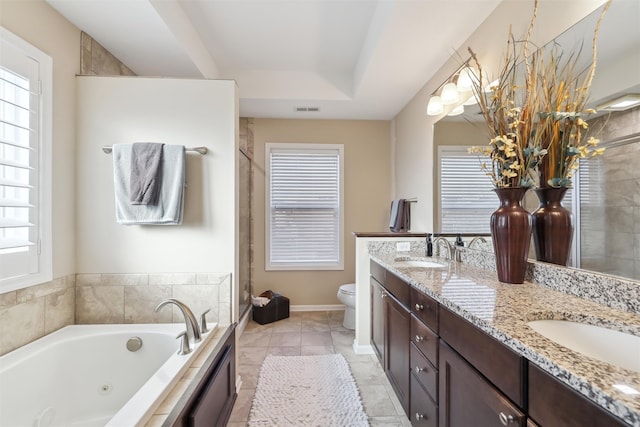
[
  {"x": 450, "y": 247},
  {"x": 193, "y": 331},
  {"x": 477, "y": 239}
]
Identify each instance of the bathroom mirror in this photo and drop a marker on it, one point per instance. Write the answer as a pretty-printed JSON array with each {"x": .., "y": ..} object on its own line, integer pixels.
[{"x": 606, "y": 197}]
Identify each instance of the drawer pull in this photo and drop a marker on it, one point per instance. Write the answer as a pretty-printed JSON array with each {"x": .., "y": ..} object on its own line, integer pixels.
[
  {"x": 506, "y": 419},
  {"x": 419, "y": 338},
  {"x": 419, "y": 307},
  {"x": 420, "y": 416},
  {"x": 419, "y": 369}
]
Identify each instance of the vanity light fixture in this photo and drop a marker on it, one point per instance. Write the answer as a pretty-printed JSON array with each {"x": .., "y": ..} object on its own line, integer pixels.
[
  {"x": 466, "y": 79},
  {"x": 449, "y": 94},
  {"x": 456, "y": 111},
  {"x": 620, "y": 103},
  {"x": 435, "y": 106}
]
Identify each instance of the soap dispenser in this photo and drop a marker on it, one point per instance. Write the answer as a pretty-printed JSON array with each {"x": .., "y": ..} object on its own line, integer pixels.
[
  {"x": 428, "y": 250},
  {"x": 459, "y": 241}
]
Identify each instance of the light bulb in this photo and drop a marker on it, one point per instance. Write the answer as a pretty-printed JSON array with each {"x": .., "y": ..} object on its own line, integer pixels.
[
  {"x": 435, "y": 107},
  {"x": 467, "y": 79},
  {"x": 449, "y": 94}
]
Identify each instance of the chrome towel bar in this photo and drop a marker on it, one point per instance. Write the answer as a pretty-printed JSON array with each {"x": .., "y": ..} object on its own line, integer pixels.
[{"x": 202, "y": 150}]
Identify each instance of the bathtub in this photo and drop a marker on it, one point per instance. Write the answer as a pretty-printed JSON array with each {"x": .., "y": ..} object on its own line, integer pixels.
[{"x": 84, "y": 375}]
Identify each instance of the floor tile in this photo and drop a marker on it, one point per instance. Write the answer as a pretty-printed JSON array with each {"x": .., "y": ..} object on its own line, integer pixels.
[
  {"x": 316, "y": 338},
  {"x": 284, "y": 339},
  {"x": 314, "y": 333}
]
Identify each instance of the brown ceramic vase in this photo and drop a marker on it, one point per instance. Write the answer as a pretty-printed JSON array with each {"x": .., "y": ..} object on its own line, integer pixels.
[
  {"x": 552, "y": 227},
  {"x": 511, "y": 234}
]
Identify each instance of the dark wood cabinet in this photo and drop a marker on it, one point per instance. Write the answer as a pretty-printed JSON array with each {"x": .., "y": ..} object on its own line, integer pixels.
[
  {"x": 209, "y": 399},
  {"x": 398, "y": 324},
  {"x": 553, "y": 404},
  {"x": 448, "y": 372},
  {"x": 424, "y": 411},
  {"x": 501, "y": 365},
  {"x": 377, "y": 319},
  {"x": 390, "y": 329},
  {"x": 469, "y": 399}
]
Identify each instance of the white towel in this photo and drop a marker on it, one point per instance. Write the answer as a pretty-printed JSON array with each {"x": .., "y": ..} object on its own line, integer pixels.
[{"x": 170, "y": 205}]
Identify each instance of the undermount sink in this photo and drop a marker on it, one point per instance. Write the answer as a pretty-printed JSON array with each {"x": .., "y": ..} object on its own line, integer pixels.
[
  {"x": 421, "y": 264},
  {"x": 608, "y": 345}
]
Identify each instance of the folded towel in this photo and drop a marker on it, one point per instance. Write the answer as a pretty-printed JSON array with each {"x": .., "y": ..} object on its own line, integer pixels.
[
  {"x": 168, "y": 210},
  {"x": 144, "y": 179},
  {"x": 400, "y": 219}
]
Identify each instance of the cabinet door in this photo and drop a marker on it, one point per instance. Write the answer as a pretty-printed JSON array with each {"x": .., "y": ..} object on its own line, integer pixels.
[
  {"x": 468, "y": 399},
  {"x": 398, "y": 327},
  {"x": 552, "y": 403},
  {"x": 377, "y": 319}
]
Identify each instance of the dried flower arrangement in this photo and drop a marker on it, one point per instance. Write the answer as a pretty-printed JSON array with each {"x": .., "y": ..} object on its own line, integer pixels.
[{"x": 534, "y": 114}]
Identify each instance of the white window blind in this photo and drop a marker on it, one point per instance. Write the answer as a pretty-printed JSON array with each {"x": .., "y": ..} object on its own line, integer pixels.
[
  {"x": 467, "y": 199},
  {"x": 304, "y": 198},
  {"x": 25, "y": 255}
]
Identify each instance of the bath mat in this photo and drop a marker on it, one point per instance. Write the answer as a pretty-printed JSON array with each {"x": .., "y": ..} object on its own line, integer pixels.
[{"x": 306, "y": 391}]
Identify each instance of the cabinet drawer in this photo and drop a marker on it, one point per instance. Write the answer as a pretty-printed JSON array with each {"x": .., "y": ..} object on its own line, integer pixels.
[
  {"x": 425, "y": 308},
  {"x": 392, "y": 283},
  {"x": 425, "y": 339},
  {"x": 424, "y": 412},
  {"x": 503, "y": 367},
  {"x": 552, "y": 403},
  {"x": 424, "y": 372}
]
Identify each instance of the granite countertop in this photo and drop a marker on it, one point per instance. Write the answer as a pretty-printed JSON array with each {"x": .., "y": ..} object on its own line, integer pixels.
[{"x": 503, "y": 310}]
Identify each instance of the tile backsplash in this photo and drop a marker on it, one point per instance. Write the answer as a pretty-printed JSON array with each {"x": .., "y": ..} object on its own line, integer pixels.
[{"x": 30, "y": 313}]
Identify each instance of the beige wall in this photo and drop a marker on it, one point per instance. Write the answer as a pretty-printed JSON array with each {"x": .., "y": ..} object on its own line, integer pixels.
[
  {"x": 367, "y": 170},
  {"x": 414, "y": 153},
  {"x": 28, "y": 314},
  {"x": 39, "y": 24},
  {"x": 173, "y": 111}
]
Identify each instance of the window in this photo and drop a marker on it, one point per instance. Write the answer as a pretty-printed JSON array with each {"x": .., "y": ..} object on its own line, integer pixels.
[
  {"x": 25, "y": 164},
  {"x": 304, "y": 207},
  {"x": 466, "y": 197}
]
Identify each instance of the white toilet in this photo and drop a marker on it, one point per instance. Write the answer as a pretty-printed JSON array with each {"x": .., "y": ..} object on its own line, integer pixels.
[{"x": 347, "y": 296}]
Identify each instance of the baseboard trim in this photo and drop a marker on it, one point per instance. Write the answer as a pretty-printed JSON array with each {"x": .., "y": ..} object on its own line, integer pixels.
[
  {"x": 330, "y": 307},
  {"x": 362, "y": 349}
]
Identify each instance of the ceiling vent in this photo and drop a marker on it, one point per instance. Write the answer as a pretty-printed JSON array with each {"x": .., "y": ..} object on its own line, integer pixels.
[{"x": 307, "y": 109}]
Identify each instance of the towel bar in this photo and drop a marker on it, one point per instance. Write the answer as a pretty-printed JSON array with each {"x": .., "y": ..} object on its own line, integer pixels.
[{"x": 202, "y": 150}]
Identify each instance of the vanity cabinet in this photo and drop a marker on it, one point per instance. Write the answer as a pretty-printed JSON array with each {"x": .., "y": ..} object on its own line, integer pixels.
[
  {"x": 210, "y": 397},
  {"x": 469, "y": 399},
  {"x": 553, "y": 404},
  {"x": 460, "y": 376},
  {"x": 390, "y": 328}
]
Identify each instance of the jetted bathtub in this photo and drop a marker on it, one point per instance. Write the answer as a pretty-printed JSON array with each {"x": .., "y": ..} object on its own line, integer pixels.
[{"x": 92, "y": 375}]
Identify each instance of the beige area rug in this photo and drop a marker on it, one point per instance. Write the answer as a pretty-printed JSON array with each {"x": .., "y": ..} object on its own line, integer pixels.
[{"x": 307, "y": 391}]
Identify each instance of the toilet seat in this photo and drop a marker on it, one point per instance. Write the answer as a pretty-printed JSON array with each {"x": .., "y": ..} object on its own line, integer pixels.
[{"x": 349, "y": 289}]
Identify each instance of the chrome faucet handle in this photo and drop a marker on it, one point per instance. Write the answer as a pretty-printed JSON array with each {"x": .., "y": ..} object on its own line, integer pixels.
[
  {"x": 203, "y": 322},
  {"x": 184, "y": 343}
]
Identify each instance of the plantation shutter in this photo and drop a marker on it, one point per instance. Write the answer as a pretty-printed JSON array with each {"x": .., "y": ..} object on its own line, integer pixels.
[
  {"x": 21, "y": 186},
  {"x": 467, "y": 199},
  {"x": 304, "y": 207}
]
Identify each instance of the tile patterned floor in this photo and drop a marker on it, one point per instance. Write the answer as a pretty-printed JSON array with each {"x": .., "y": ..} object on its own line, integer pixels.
[{"x": 311, "y": 333}]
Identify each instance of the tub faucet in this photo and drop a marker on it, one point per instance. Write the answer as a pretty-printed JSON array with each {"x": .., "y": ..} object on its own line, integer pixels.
[
  {"x": 451, "y": 249},
  {"x": 193, "y": 331}
]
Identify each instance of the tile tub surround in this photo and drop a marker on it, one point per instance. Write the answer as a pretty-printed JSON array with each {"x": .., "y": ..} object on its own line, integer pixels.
[
  {"x": 31, "y": 313},
  {"x": 132, "y": 298},
  {"x": 503, "y": 310}
]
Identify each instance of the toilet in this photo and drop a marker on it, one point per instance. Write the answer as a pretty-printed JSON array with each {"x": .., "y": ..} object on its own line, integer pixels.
[{"x": 347, "y": 296}]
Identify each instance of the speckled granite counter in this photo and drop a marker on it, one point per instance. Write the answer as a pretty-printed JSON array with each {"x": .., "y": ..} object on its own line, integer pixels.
[{"x": 503, "y": 310}]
